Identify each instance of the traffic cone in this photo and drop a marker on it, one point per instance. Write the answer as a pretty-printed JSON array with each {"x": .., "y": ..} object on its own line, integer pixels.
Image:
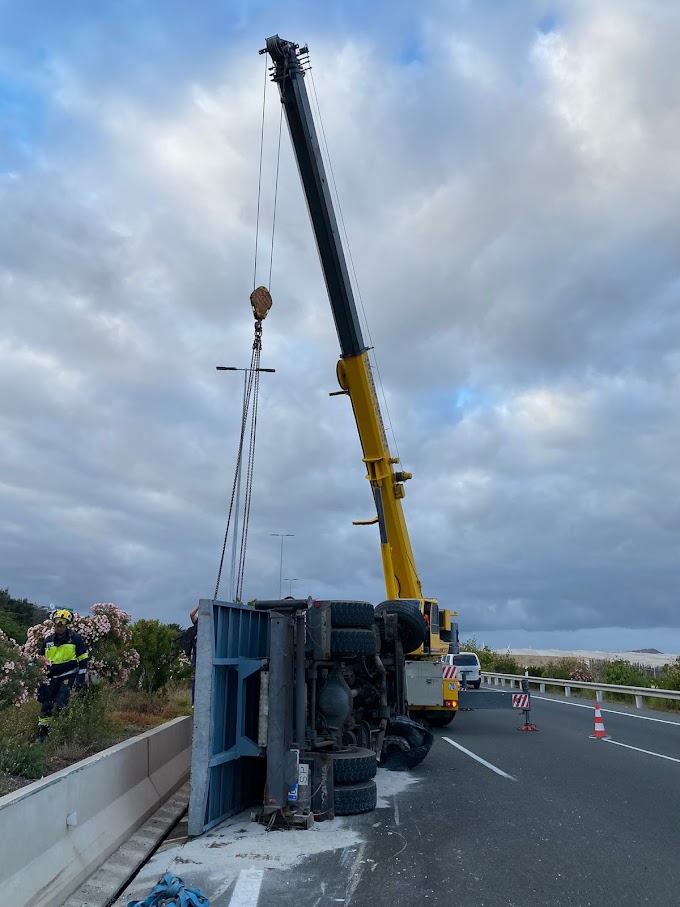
[{"x": 600, "y": 732}]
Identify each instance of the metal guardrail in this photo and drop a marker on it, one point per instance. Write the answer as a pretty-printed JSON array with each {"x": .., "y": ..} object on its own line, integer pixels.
[{"x": 639, "y": 692}]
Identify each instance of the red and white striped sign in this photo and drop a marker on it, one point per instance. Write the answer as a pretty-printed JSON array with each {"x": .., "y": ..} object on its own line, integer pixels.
[
  {"x": 449, "y": 672},
  {"x": 520, "y": 700}
]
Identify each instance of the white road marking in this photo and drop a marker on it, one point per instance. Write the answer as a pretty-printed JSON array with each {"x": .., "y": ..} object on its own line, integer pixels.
[
  {"x": 637, "y": 749},
  {"x": 479, "y": 759},
  {"x": 580, "y": 705},
  {"x": 247, "y": 889}
]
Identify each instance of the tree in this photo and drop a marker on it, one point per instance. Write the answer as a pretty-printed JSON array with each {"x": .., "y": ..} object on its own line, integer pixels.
[
  {"x": 11, "y": 627},
  {"x": 108, "y": 638},
  {"x": 19, "y": 675},
  {"x": 17, "y": 615},
  {"x": 160, "y": 660}
]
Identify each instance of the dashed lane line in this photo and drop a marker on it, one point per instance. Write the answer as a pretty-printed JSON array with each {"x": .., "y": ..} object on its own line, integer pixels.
[
  {"x": 479, "y": 759},
  {"x": 580, "y": 705}
]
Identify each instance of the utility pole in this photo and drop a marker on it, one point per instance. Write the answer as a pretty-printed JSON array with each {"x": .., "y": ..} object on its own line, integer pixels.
[
  {"x": 234, "y": 537},
  {"x": 282, "y": 536},
  {"x": 290, "y": 580}
]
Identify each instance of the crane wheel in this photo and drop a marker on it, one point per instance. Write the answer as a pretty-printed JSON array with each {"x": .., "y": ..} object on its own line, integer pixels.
[
  {"x": 437, "y": 718},
  {"x": 410, "y": 621}
]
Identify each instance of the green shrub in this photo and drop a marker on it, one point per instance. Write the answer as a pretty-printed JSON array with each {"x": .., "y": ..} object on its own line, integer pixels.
[
  {"x": 670, "y": 679},
  {"x": 564, "y": 668},
  {"x": 86, "y": 720},
  {"x": 506, "y": 664},
  {"x": 622, "y": 672},
  {"x": 180, "y": 702},
  {"x": 23, "y": 759},
  {"x": 160, "y": 659},
  {"x": 19, "y": 675},
  {"x": 19, "y": 725},
  {"x": 534, "y": 671}
]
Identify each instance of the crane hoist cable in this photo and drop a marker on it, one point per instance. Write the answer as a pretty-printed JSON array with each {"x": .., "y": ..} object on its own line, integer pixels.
[{"x": 261, "y": 302}]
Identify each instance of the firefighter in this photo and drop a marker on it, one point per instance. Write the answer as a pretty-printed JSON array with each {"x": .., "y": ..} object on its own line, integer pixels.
[{"x": 65, "y": 656}]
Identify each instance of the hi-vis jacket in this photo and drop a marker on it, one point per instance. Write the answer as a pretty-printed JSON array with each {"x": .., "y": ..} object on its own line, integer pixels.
[{"x": 66, "y": 654}]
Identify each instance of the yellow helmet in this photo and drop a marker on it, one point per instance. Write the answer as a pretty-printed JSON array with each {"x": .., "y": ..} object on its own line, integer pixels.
[{"x": 63, "y": 616}]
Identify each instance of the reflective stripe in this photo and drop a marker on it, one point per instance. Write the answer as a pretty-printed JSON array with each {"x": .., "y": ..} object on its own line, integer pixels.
[
  {"x": 58, "y": 654},
  {"x": 71, "y": 649}
]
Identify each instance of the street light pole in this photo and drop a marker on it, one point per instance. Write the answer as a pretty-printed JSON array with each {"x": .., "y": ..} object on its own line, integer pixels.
[
  {"x": 234, "y": 539},
  {"x": 282, "y": 536},
  {"x": 290, "y": 580}
]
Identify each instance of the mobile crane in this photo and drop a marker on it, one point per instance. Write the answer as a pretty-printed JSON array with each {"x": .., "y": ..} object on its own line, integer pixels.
[
  {"x": 335, "y": 686},
  {"x": 426, "y": 631}
]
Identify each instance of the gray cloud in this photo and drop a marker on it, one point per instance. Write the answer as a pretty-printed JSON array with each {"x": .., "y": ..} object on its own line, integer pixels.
[{"x": 510, "y": 196}]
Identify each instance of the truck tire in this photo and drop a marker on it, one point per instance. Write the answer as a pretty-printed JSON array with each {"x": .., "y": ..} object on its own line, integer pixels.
[
  {"x": 352, "y": 614},
  {"x": 411, "y": 623},
  {"x": 353, "y": 642},
  {"x": 405, "y": 745},
  {"x": 354, "y": 765},
  {"x": 355, "y": 798}
]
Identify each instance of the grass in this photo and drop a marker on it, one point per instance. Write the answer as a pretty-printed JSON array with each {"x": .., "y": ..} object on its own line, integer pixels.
[{"x": 96, "y": 718}]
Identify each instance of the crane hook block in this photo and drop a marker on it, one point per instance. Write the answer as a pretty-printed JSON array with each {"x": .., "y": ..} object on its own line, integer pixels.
[{"x": 261, "y": 301}]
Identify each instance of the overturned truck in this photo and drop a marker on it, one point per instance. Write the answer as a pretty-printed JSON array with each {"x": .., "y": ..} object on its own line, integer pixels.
[{"x": 297, "y": 702}]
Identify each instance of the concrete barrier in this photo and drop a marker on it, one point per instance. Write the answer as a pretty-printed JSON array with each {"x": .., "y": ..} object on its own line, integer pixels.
[{"x": 57, "y": 831}]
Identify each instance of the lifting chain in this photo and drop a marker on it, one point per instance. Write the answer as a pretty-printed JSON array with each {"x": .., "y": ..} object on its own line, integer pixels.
[{"x": 261, "y": 302}]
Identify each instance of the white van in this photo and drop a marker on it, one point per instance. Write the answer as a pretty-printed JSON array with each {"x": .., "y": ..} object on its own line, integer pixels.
[{"x": 468, "y": 664}]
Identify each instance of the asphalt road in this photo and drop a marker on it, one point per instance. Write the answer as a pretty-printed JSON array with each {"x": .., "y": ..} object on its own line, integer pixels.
[{"x": 570, "y": 822}]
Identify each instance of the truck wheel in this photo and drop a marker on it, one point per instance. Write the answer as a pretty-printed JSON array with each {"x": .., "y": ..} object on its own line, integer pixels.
[
  {"x": 355, "y": 798},
  {"x": 354, "y": 765},
  {"x": 352, "y": 614},
  {"x": 411, "y": 623},
  {"x": 353, "y": 642},
  {"x": 439, "y": 719},
  {"x": 405, "y": 745}
]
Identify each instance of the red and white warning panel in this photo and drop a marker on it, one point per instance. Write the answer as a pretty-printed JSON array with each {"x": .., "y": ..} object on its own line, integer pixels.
[
  {"x": 520, "y": 700},
  {"x": 449, "y": 672}
]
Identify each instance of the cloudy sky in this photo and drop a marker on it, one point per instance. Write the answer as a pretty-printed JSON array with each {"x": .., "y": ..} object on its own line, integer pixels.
[{"x": 510, "y": 182}]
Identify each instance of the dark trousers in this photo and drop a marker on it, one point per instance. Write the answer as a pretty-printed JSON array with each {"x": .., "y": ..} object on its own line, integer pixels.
[{"x": 53, "y": 696}]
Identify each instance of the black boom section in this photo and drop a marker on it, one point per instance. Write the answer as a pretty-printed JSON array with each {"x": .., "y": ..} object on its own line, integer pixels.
[{"x": 289, "y": 74}]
